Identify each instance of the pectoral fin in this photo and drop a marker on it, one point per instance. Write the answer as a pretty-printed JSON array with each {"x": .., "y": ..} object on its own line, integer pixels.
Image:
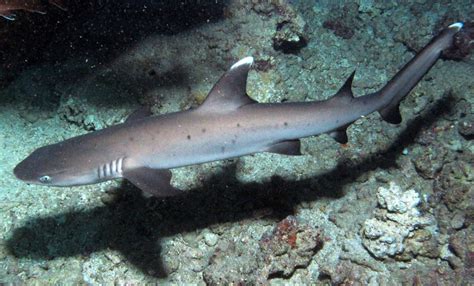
[{"x": 155, "y": 182}]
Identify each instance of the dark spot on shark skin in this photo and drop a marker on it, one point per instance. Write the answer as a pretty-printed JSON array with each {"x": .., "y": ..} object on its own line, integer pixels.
[
  {"x": 203, "y": 130},
  {"x": 223, "y": 149},
  {"x": 286, "y": 123},
  {"x": 189, "y": 137},
  {"x": 233, "y": 141},
  {"x": 337, "y": 121},
  {"x": 131, "y": 139},
  {"x": 238, "y": 124}
]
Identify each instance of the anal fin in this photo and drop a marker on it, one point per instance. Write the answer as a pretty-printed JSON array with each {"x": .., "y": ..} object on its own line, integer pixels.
[
  {"x": 290, "y": 147},
  {"x": 155, "y": 182},
  {"x": 140, "y": 113},
  {"x": 340, "y": 134}
]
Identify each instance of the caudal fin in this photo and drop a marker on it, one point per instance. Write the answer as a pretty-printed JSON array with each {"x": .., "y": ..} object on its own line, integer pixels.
[{"x": 406, "y": 79}]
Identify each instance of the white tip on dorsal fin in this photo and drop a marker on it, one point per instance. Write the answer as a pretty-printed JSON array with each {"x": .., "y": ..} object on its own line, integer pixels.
[
  {"x": 457, "y": 25},
  {"x": 244, "y": 61},
  {"x": 229, "y": 93}
]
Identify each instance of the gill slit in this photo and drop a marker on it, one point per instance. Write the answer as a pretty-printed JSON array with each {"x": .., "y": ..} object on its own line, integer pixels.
[{"x": 111, "y": 169}]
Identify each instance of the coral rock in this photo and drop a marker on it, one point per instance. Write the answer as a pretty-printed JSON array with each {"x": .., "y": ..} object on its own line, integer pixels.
[
  {"x": 290, "y": 35},
  {"x": 397, "y": 219},
  {"x": 289, "y": 246}
]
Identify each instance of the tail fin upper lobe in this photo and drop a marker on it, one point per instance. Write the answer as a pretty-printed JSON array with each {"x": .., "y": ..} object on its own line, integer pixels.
[{"x": 406, "y": 79}]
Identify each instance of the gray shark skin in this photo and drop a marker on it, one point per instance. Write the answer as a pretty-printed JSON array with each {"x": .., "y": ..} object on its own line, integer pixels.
[{"x": 228, "y": 124}]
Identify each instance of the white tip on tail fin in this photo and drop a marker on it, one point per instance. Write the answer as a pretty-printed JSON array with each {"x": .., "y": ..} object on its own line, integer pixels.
[
  {"x": 457, "y": 25},
  {"x": 244, "y": 61}
]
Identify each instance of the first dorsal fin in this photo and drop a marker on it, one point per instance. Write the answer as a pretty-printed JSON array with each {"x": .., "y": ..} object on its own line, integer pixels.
[{"x": 229, "y": 93}]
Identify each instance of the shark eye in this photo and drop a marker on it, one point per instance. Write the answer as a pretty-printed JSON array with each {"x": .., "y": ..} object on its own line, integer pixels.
[{"x": 45, "y": 179}]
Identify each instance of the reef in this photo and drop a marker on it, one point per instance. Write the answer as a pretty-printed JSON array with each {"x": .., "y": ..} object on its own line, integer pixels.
[
  {"x": 398, "y": 226},
  {"x": 289, "y": 246}
]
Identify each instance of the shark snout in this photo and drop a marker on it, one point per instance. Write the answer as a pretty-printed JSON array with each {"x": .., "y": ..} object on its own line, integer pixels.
[{"x": 21, "y": 171}]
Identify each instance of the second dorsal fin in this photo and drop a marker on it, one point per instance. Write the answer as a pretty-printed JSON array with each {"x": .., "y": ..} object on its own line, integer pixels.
[
  {"x": 345, "y": 92},
  {"x": 229, "y": 93}
]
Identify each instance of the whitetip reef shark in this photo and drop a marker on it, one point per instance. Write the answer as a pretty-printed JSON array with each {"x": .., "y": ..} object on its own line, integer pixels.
[{"x": 227, "y": 124}]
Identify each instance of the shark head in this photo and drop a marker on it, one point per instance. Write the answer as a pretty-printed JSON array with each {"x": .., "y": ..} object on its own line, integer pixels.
[{"x": 48, "y": 166}]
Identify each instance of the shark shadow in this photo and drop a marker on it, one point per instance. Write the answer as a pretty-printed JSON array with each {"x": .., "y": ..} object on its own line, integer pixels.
[{"x": 134, "y": 225}]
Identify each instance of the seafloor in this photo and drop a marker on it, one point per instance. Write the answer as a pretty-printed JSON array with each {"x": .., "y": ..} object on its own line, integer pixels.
[{"x": 393, "y": 206}]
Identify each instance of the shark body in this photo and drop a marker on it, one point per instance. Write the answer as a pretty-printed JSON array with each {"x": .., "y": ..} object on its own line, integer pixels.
[{"x": 228, "y": 124}]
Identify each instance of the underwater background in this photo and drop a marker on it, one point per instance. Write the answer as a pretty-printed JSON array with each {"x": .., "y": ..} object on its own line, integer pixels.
[{"x": 393, "y": 206}]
